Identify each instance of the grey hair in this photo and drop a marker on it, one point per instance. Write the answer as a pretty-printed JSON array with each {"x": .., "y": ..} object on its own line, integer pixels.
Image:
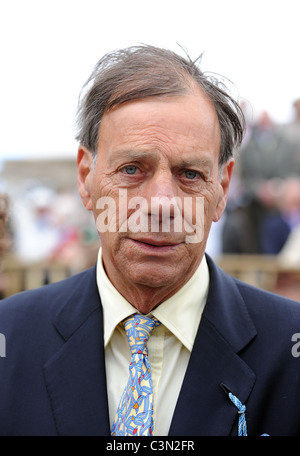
[{"x": 144, "y": 71}]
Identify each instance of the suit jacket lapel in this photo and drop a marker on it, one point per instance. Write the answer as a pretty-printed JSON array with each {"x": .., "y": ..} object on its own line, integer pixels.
[
  {"x": 203, "y": 408},
  {"x": 75, "y": 375}
]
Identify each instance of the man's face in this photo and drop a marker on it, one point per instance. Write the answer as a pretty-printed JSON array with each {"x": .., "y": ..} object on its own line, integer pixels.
[{"x": 155, "y": 149}]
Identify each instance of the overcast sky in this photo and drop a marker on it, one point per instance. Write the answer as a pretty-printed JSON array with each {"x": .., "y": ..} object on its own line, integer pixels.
[{"x": 49, "y": 47}]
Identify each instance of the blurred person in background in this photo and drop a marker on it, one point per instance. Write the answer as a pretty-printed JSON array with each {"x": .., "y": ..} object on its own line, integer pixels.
[
  {"x": 267, "y": 156},
  {"x": 291, "y": 131},
  {"x": 278, "y": 224},
  {"x": 289, "y": 255},
  {"x": 34, "y": 227},
  {"x": 4, "y": 242},
  {"x": 49, "y": 227}
]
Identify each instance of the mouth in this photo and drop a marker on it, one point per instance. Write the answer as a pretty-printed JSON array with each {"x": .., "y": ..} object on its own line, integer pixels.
[{"x": 155, "y": 246}]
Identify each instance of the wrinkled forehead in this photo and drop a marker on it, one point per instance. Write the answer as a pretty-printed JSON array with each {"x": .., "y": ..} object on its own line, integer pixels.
[{"x": 187, "y": 123}]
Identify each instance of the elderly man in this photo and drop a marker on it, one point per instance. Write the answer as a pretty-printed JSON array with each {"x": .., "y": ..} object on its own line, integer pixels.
[{"x": 155, "y": 340}]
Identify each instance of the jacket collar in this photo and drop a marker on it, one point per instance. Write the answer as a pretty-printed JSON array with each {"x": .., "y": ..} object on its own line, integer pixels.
[
  {"x": 82, "y": 300},
  {"x": 226, "y": 309}
]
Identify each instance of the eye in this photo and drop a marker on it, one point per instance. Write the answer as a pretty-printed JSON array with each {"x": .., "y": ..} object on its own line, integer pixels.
[
  {"x": 130, "y": 169},
  {"x": 190, "y": 174}
]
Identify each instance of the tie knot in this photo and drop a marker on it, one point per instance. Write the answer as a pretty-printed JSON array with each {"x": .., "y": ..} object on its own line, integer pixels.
[{"x": 138, "y": 329}]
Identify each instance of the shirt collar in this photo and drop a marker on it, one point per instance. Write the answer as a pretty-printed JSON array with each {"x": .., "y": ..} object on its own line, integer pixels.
[{"x": 181, "y": 313}]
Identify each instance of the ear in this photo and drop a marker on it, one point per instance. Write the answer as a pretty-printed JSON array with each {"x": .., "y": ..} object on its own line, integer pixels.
[
  {"x": 84, "y": 176},
  {"x": 227, "y": 169}
]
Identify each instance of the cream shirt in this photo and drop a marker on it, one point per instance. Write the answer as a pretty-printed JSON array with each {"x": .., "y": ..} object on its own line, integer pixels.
[{"x": 169, "y": 346}]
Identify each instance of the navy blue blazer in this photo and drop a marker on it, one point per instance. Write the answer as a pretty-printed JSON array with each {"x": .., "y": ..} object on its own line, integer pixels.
[{"x": 52, "y": 380}]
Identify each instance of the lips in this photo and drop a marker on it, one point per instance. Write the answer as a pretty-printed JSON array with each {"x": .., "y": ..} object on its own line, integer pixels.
[{"x": 156, "y": 245}]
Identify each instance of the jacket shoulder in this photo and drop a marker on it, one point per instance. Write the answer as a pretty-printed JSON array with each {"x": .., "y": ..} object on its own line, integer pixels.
[
  {"x": 47, "y": 298},
  {"x": 267, "y": 311},
  {"x": 271, "y": 304}
]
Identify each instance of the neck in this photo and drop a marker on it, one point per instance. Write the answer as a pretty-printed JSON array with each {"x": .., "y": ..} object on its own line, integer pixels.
[{"x": 144, "y": 298}]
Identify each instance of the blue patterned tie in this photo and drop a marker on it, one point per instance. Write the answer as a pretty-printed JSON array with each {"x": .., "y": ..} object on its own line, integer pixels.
[{"x": 135, "y": 412}]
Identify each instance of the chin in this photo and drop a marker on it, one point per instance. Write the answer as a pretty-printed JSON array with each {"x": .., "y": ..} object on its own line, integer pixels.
[
  {"x": 155, "y": 278},
  {"x": 152, "y": 280}
]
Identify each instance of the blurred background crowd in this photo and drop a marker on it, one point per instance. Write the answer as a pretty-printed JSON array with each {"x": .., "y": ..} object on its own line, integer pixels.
[
  {"x": 263, "y": 211},
  {"x": 43, "y": 221}
]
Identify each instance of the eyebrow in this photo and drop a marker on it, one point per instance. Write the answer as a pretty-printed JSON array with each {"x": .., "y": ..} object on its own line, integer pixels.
[
  {"x": 132, "y": 155},
  {"x": 195, "y": 161},
  {"x": 151, "y": 155}
]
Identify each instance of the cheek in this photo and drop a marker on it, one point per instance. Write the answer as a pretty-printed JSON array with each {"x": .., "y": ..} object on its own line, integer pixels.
[
  {"x": 110, "y": 209},
  {"x": 102, "y": 187},
  {"x": 111, "y": 245}
]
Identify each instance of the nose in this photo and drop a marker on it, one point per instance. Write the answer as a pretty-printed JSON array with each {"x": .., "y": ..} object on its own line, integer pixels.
[
  {"x": 164, "y": 203},
  {"x": 162, "y": 185}
]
